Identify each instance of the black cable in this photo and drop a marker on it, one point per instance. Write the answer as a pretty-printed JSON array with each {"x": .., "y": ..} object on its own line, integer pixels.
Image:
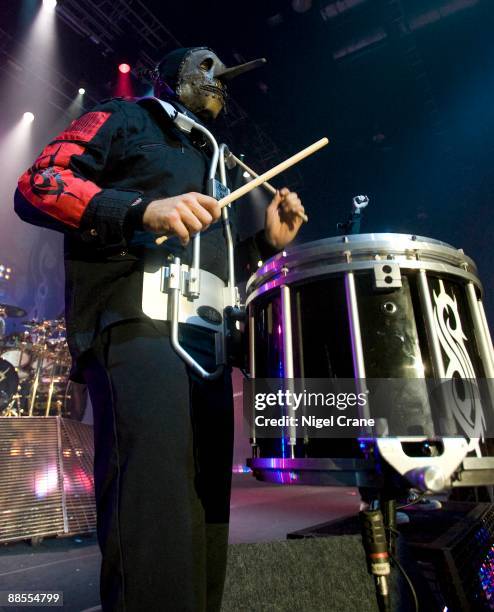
[
  {"x": 415, "y": 501},
  {"x": 397, "y": 534},
  {"x": 409, "y": 582}
]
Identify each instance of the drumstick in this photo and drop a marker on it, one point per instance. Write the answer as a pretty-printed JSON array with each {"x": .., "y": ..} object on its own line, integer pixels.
[
  {"x": 266, "y": 185},
  {"x": 253, "y": 173},
  {"x": 262, "y": 178}
]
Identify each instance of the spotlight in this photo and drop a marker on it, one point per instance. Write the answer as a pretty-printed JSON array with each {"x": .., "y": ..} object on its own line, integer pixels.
[
  {"x": 50, "y": 4},
  {"x": 82, "y": 91},
  {"x": 28, "y": 117},
  {"x": 124, "y": 68},
  {"x": 5, "y": 272}
]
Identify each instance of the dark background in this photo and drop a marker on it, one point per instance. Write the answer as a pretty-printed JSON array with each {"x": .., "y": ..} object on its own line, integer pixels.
[{"x": 403, "y": 89}]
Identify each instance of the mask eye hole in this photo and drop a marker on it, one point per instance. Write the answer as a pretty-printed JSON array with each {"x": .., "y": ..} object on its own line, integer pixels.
[{"x": 206, "y": 64}]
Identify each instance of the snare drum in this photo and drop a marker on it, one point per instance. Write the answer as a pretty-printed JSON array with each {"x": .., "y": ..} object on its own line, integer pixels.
[{"x": 367, "y": 306}]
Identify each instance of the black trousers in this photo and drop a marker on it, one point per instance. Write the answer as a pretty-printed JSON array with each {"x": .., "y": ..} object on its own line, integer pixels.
[{"x": 163, "y": 457}]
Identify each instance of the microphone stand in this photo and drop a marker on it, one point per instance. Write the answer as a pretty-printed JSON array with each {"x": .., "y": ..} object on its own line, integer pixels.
[{"x": 352, "y": 226}]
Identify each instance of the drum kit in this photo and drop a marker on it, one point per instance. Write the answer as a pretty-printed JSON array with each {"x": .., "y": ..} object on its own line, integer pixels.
[{"x": 34, "y": 367}]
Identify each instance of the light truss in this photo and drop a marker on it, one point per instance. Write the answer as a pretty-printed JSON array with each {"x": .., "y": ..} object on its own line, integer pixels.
[{"x": 107, "y": 22}]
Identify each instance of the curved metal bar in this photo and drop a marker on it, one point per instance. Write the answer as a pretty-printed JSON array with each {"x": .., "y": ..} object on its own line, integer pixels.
[
  {"x": 194, "y": 279},
  {"x": 174, "y": 293},
  {"x": 228, "y": 231}
]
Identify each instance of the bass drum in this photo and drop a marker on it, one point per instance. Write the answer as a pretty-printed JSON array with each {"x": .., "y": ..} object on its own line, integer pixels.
[
  {"x": 365, "y": 306},
  {"x": 9, "y": 382},
  {"x": 20, "y": 357}
]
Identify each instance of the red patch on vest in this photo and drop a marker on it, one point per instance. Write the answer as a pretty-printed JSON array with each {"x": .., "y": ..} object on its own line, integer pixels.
[{"x": 85, "y": 128}]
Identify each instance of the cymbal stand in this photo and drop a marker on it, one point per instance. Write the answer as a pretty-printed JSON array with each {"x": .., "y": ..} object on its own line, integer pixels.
[{"x": 35, "y": 385}]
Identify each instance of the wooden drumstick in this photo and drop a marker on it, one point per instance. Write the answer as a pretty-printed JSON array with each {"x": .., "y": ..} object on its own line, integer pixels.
[
  {"x": 262, "y": 178},
  {"x": 266, "y": 185}
]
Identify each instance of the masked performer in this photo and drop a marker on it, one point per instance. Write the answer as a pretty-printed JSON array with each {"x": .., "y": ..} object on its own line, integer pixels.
[{"x": 115, "y": 178}]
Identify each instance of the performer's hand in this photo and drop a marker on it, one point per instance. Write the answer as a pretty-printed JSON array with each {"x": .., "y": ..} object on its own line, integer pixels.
[
  {"x": 181, "y": 216},
  {"x": 282, "y": 221}
]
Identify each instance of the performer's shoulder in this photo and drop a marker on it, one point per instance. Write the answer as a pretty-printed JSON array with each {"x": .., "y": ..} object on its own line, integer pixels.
[{"x": 127, "y": 105}]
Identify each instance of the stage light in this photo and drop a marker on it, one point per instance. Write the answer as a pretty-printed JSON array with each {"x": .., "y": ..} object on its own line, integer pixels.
[
  {"x": 246, "y": 174},
  {"x": 82, "y": 91},
  {"x": 28, "y": 117},
  {"x": 50, "y": 4},
  {"x": 46, "y": 481},
  {"x": 123, "y": 84}
]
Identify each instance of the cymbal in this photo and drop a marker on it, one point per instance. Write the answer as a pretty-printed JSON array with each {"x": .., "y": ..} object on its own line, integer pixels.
[
  {"x": 12, "y": 311},
  {"x": 48, "y": 324},
  {"x": 32, "y": 324}
]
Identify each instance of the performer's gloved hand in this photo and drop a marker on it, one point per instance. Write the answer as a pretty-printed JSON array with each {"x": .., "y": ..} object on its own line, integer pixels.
[
  {"x": 282, "y": 221},
  {"x": 183, "y": 215}
]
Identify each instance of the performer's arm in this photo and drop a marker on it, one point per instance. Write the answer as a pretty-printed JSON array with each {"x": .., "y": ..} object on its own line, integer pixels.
[
  {"x": 62, "y": 190},
  {"x": 281, "y": 225},
  {"x": 249, "y": 252}
]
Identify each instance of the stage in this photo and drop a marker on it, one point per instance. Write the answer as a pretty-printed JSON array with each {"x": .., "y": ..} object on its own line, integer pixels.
[{"x": 260, "y": 512}]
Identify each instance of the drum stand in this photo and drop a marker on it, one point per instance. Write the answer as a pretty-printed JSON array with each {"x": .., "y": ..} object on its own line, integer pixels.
[
  {"x": 379, "y": 538},
  {"x": 14, "y": 407}
]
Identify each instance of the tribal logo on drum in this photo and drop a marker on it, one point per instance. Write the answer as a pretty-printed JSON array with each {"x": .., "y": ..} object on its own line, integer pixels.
[{"x": 463, "y": 397}]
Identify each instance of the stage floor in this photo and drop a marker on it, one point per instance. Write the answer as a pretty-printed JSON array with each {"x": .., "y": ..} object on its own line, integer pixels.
[{"x": 261, "y": 512}]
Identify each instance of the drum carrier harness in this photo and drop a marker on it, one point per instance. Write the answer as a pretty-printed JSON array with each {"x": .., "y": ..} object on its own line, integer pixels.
[{"x": 179, "y": 293}]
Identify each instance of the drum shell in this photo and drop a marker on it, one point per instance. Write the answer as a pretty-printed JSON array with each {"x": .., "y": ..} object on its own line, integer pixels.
[
  {"x": 20, "y": 357},
  {"x": 395, "y": 331},
  {"x": 395, "y": 340}
]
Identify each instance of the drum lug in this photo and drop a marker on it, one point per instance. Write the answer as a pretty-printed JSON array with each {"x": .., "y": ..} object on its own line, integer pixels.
[
  {"x": 387, "y": 275},
  {"x": 193, "y": 283},
  {"x": 237, "y": 297},
  {"x": 171, "y": 277}
]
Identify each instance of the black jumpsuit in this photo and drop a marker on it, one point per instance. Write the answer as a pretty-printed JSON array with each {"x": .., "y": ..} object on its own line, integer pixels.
[{"x": 163, "y": 438}]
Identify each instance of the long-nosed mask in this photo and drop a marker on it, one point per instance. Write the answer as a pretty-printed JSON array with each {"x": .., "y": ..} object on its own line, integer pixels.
[{"x": 197, "y": 77}]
